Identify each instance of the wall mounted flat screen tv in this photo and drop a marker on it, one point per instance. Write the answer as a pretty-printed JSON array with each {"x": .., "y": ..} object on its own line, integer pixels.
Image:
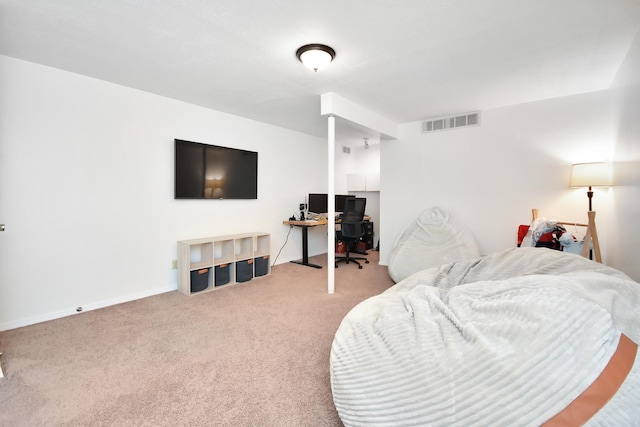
[{"x": 204, "y": 171}]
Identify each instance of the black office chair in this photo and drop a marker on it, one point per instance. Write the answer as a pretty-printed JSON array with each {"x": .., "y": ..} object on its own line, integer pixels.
[{"x": 352, "y": 228}]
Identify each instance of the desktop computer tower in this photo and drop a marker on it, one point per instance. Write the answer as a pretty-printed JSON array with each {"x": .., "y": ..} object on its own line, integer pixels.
[{"x": 368, "y": 234}]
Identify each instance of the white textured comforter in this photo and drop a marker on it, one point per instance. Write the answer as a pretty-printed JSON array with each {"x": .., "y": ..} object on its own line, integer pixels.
[{"x": 509, "y": 339}]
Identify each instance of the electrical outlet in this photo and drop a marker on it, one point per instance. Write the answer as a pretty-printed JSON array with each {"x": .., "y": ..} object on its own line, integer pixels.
[{"x": 174, "y": 264}]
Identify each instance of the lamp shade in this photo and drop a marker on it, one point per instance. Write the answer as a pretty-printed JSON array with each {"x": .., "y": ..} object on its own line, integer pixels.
[
  {"x": 315, "y": 56},
  {"x": 590, "y": 175}
]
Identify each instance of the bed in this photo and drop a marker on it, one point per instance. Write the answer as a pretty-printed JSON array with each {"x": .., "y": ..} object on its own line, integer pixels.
[{"x": 513, "y": 338}]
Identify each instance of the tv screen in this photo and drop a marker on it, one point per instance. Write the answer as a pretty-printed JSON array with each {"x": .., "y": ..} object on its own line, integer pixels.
[{"x": 205, "y": 171}]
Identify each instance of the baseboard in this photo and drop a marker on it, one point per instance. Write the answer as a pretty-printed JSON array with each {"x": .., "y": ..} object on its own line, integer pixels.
[{"x": 89, "y": 307}]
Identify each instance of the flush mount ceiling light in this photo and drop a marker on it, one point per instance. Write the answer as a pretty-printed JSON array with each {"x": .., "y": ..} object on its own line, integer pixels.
[{"x": 315, "y": 56}]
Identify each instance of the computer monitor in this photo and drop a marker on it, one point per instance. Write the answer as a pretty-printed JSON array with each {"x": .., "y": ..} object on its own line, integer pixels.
[
  {"x": 317, "y": 203},
  {"x": 340, "y": 201}
]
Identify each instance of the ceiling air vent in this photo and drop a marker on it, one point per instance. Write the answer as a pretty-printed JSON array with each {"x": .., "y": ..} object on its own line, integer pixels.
[{"x": 451, "y": 122}]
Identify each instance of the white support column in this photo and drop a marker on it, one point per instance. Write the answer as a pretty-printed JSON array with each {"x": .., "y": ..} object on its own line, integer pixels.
[
  {"x": 332, "y": 105},
  {"x": 331, "y": 204}
]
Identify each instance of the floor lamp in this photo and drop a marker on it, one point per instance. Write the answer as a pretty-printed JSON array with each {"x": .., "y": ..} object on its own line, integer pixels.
[{"x": 591, "y": 175}]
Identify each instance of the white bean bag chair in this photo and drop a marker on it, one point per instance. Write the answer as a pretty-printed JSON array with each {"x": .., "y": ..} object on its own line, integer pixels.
[
  {"x": 524, "y": 337},
  {"x": 433, "y": 239}
]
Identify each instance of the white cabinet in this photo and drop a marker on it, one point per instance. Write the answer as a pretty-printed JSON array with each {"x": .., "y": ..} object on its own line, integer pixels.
[
  {"x": 363, "y": 181},
  {"x": 211, "y": 262},
  {"x": 373, "y": 182},
  {"x": 356, "y": 182}
]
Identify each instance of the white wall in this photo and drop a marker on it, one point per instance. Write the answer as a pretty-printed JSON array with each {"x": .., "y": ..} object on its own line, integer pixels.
[
  {"x": 490, "y": 176},
  {"x": 86, "y": 182},
  {"x": 86, "y": 190},
  {"x": 345, "y": 164},
  {"x": 623, "y": 252}
]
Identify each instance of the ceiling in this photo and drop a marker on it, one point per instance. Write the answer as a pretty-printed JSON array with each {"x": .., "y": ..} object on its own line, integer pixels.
[{"x": 406, "y": 60}]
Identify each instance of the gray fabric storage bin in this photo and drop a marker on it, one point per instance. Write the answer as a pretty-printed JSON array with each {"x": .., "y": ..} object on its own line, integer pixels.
[
  {"x": 262, "y": 265},
  {"x": 200, "y": 279},
  {"x": 244, "y": 270},
  {"x": 222, "y": 276}
]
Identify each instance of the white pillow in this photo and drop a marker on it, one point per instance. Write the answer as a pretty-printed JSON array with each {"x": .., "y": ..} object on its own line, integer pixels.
[{"x": 433, "y": 239}]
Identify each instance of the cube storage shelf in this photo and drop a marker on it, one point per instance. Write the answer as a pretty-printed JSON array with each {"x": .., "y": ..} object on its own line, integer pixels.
[{"x": 213, "y": 262}]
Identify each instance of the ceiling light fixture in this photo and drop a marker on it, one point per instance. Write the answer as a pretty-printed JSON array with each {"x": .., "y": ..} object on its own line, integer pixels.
[{"x": 315, "y": 56}]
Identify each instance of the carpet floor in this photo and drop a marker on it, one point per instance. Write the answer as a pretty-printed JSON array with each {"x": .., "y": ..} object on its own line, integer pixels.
[{"x": 255, "y": 353}]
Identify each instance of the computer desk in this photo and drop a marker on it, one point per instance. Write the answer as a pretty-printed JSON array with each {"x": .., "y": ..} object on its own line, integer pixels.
[{"x": 305, "y": 225}]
